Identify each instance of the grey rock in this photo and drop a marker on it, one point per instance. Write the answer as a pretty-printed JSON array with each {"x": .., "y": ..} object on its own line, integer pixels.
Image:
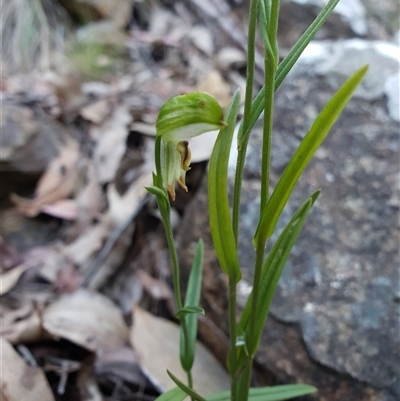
[
  {"x": 397, "y": 38},
  {"x": 383, "y": 59},
  {"x": 337, "y": 61},
  {"x": 349, "y": 18},
  {"x": 340, "y": 284},
  {"x": 352, "y": 12},
  {"x": 334, "y": 319},
  {"x": 392, "y": 91}
]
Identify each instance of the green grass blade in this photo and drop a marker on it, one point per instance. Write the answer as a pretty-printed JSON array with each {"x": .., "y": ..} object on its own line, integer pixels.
[
  {"x": 176, "y": 394},
  {"x": 302, "y": 156},
  {"x": 275, "y": 393},
  {"x": 218, "y": 202},
  {"x": 185, "y": 388},
  {"x": 272, "y": 269},
  {"x": 287, "y": 63},
  {"x": 192, "y": 299}
]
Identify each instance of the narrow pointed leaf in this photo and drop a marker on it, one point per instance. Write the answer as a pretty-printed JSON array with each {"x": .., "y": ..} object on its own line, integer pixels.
[
  {"x": 157, "y": 192},
  {"x": 302, "y": 156},
  {"x": 272, "y": 270},
  {"x": 218, "y": 203},
  {"x": 276, "y": 393},
  {"x": 185, "y": 388},
  {"x": 192, "y": 299},
  {"x": 175, "y": 394},
  {"x": 189, "y": 310},
  {"x": 287, "y": 63}
]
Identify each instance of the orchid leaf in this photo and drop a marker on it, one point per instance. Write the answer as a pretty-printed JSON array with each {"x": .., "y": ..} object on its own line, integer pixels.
[
  {"x": 191, "y": 309},
  {"x": 218, "y": 202},
  {"x": 175, "y": 394},
  {"x": 275, "y": 393},
  {"x": 272, "y": 270},
  {"x": 302, "y": 156},
  {"x": 185, "y": 388}
]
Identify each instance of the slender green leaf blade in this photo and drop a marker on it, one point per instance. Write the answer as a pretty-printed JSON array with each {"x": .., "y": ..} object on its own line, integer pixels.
[
  {"x": 286, "y": 65},
  {"x": 190, "y": 310},
  {"x": 157, "y": 192},
  {"x": 218, "y": 203},
  {"x": 175, "y": 394},
  {"x": 276, "y": 393},
  {"x": 192, "y": 299},
  {"x": 302, "y": 156},
  {"x": 185, "y": 388},
  {"x": 272, "y": 269}
]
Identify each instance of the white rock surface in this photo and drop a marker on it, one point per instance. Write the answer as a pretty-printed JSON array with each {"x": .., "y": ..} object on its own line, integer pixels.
[{"x": 337, "y": 61}]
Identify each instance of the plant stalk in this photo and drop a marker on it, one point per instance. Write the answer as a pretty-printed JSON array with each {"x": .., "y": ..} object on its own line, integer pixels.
[
  {"x": 243, "y": 138},
  {"x": 232, "y": 337},
  {"x": 270, "y": 66}
]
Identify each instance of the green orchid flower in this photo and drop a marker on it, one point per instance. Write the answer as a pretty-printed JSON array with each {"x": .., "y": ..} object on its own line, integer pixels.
[{"x": 181, "y": 118}]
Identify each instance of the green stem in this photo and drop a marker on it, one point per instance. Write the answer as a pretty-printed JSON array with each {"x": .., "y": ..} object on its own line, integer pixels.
[
  {"x": 270, "y": 70},
  {"x": 232, "y": 336},
  {"x": 267, "y": 133},
  {"x": 165, "y": 215},
  {"x": 270, "y": 64},
  {"x": 242, "y": 142},
  {"x": 245, "y": 380},
  {"x": 190, "y": 379},
  {"x": 174, "y": 256},
  {"x": 273, "y": 26},
  {"x": 252, "y": 342}
]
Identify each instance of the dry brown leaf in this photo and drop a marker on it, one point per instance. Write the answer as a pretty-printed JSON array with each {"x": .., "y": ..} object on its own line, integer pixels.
[
  {"x": 87, "y": 384},
  {"x": 10, "y": 277},
  {"x": 96, "y": 112},
  {"x": 46, "y": 258},
  {"x": 18, "y": 380},
  {"x": 215, "y": 85},
  {"x": 120, "y": 364},
  {"x": 202, "y": 39},
  {"x": 156, "y": 342},
  {"x": 9, "y": 256},
  {"x": 89, "y": 242},
  {"x": 88, "y": 319},
  {"x": 51, "y": 260},
  {"x": 156, "y": 288},
  {"x": 124, "y": 207},
  {"x": 229, "y": 56},
  {"x": 111, "y": 143},
  {"x": 66, "y": 209},
  {"x": 21, "y": 325},
  {"x": 68, "y": 279},
  {"x": 90, "y": 199},
  {"x": 57, "y": 182},
  {"x": 144, "y": 128}
]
